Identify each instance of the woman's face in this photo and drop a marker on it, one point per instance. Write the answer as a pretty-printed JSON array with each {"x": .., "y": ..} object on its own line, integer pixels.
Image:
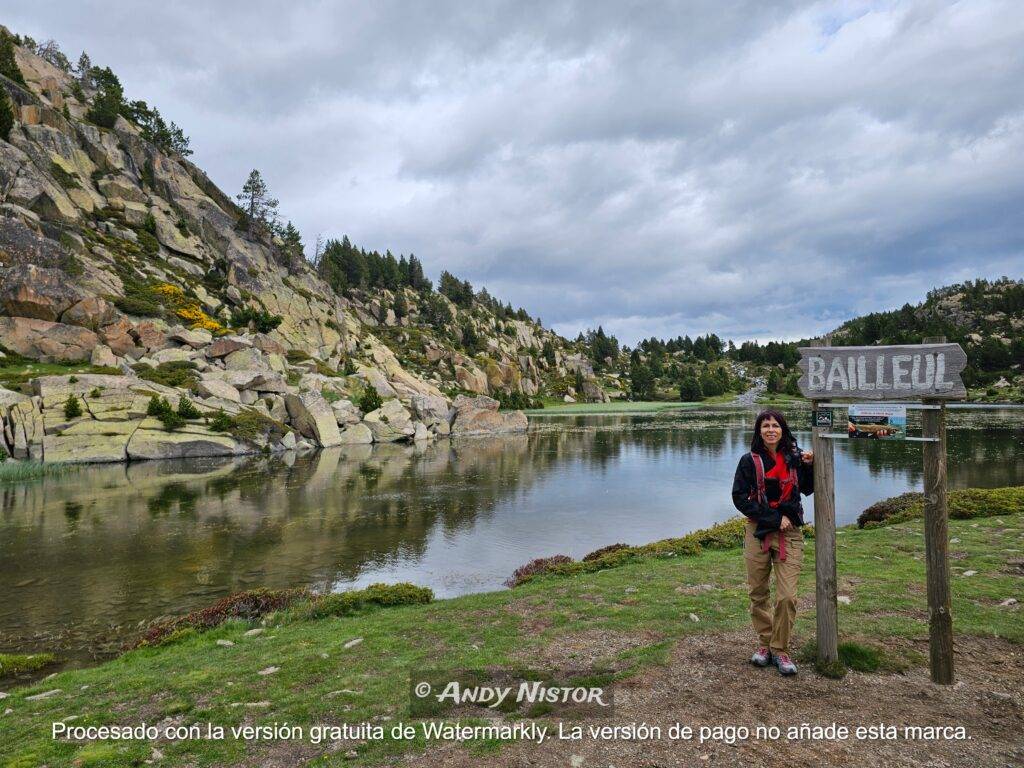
[{"x": 771, "y": 432}]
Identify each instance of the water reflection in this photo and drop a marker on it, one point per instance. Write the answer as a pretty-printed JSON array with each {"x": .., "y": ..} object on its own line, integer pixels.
[{"x": 89, "y": 555}]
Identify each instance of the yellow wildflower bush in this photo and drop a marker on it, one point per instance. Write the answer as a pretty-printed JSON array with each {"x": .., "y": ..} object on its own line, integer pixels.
[{"x": 196, "y": 318}]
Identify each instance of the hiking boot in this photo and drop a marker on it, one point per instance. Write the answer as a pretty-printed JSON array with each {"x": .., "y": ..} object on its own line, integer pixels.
[
  {"x": 762, "y": 657},
  {"x": 785, "y": 664}
]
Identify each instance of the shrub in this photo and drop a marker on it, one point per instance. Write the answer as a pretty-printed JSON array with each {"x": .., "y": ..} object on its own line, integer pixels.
[
  {"x": 249, "y": 425},
  {"x": 72, "y": 408},
  {"x": 157, "y": 407},
  {"x": 247, "y": 606},
  {"x": 138, "y": 305},
  {"x": 598, "y": 553},
  {"x": 150, "y": 245},
  {"x": 354, "y": 601},
  {"x": 171, "y": 420},
  {"x": 517, "y": 401},
  {"x": 541, "y": 565},
  {"x": 6, "y": 115},
  {"x": 221, "y": 422},
  {"x": 95, "y": 392},
  {"x": 187, "y": 409},
  {"x": 727, "y": 535},
  {"x": 860, "y": 658},
  {"x": 65, "y": 179},
  {"x": 176, "y": 373},
  {"x": 963, "y": 505},
  {"x": 349, "y": 368},
  {"x": 370, "y": 400},
  {"x": 261, "y": 320},
  {"x": 402, "y": 593},
  {"x": 324, "y": 369}
]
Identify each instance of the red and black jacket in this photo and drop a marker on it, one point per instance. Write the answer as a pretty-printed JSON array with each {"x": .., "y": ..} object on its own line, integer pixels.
[{"x": 768, "y": 516}]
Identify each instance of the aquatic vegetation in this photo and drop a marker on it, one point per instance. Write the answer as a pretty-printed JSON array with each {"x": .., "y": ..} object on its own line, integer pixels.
[
  {"x": 19, "y": 663},
  {"x": 18, "y": 471}
]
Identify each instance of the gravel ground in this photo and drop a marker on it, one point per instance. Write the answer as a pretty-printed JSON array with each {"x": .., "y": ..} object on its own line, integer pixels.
[{"x": 709, "y": 682}]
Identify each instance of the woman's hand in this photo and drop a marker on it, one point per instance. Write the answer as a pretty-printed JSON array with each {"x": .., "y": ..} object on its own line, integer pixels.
[
  {"x": 786, "y": 524},
  {"x": 807, "y": 457}
]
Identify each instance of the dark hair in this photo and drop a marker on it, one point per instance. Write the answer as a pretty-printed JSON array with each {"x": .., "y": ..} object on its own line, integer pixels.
[{"x": 787, "y": 444}]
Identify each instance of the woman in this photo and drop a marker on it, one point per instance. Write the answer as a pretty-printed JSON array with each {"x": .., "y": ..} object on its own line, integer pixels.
[{"x": 766, "y": 489}]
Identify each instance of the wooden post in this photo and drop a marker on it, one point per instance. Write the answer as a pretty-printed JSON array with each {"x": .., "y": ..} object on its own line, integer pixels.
[
  {"x": 936, "y": 542},
  {"x": 825, "y": 581}
]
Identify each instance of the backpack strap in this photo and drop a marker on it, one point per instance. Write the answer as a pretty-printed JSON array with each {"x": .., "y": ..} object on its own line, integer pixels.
[{"x": 760, "y": 494}]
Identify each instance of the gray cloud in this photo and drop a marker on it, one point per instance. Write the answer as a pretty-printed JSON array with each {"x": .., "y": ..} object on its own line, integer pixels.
[{"x": 756, "y": 169}]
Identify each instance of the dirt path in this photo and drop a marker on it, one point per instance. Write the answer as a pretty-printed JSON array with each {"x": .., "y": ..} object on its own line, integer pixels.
[{"x": 708, "y": 682}]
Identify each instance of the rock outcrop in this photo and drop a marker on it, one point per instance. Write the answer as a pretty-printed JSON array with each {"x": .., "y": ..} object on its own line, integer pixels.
[
  {"x": 116, "y": 255},
  {"x": 313, "y": 418},
  {"x": 476, "y": 416}
]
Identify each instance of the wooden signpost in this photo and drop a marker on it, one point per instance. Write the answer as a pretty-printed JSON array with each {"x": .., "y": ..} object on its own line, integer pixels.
[{"x": 927, "y": 372}]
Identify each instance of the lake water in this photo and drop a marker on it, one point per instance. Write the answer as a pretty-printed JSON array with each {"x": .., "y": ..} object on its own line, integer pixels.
[{"x": 87, "y": 556}]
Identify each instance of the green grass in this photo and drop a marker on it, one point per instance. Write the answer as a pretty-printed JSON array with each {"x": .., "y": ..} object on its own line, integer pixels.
[
  {"x": 882, "y": 570},
  {"x": 12, "y": 471},
  {"x": 614, "y": 407},
  {"x": 16, "y": 371},
  {"x": 19, "y": 663},
  {"x": 780, "y": 397}
]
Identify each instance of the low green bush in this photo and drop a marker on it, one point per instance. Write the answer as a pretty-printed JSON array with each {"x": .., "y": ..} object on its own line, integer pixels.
[
  {"x": 370, "y": 400},
  {"x": 249, "y": 606},
  {"x": 357, "y": 600},
  {"x": 852, "y": 655},
  {"x": 221, "y": 422},
  {"x": 260, "y": 319},
  {"x": 963, "y": 505},
  {"x": 598, "y": 553},
  {"x": 187, "y": 409},
  {"x": 176, "y": 373},
  {"x": 72, "y": 408},
  {"x": 157, "y": 406},
  {"x": 249, "y": 425},
  {"x": 725, "y": 535}
]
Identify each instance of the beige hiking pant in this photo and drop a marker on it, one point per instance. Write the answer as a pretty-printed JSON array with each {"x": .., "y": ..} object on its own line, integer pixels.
[{"x": 773, "y": 625}]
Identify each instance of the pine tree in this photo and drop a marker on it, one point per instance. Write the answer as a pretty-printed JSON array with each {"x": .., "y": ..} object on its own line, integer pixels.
[
  {"x": 8, "y": 66},
  {"x": 690, "y": 389},
  {"x": 105, "y": 109},
  {"x": 259, "y": 207},
  {"x": 6, "y": 115},
  {"x": 48, "y": 50},
  {"x": 292, "y": 240},
  {"x": 401, "y": 306},
  {"x": 84, "y": 70}
]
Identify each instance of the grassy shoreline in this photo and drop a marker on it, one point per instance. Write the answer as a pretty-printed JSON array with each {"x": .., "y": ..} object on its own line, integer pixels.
[{"x": 323, "y": 676}]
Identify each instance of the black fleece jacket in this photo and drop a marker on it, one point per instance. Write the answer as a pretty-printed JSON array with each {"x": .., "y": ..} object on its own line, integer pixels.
[{"x": 769, "y": 519}]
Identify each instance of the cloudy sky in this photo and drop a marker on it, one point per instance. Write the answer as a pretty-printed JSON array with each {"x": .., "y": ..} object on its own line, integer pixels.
[{"x": 759, "y": 169}]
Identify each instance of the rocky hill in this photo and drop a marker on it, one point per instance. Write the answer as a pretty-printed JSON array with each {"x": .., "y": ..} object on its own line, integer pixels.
[
  {"x": 985, "y": 317},
  {"x": 120, "y": 258}
]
